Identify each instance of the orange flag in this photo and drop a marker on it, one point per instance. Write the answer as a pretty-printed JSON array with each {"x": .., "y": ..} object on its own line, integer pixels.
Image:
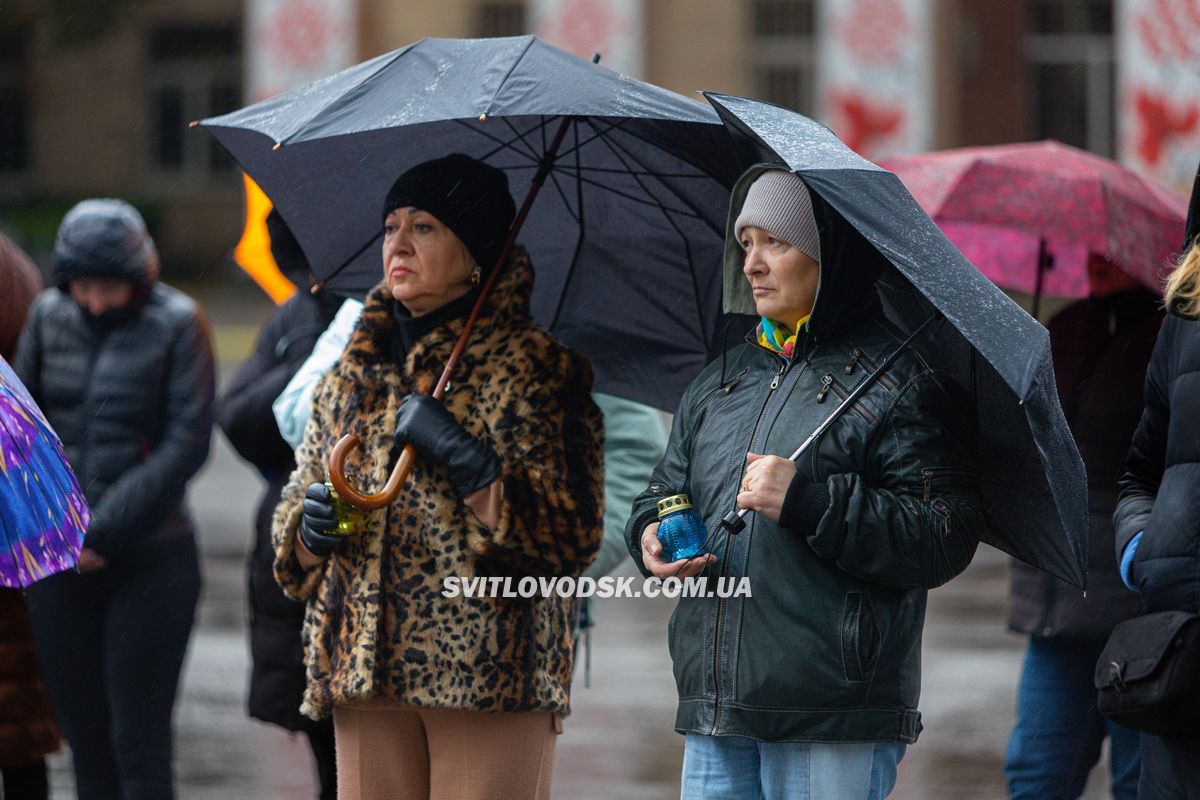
[{"x": 253, "y": 252}]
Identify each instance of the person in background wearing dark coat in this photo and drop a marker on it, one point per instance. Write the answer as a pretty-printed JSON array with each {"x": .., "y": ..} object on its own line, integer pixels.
[
  {"x": 27, "y": 729},
  {"x": 1101, "y": 346},
  {"x": 1157, "y": 521},
  {"x": 123, "y": 369},
  {"x": 244, "y": 414}
]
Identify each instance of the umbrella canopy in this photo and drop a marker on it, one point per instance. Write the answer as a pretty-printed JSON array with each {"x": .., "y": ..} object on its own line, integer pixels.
[
  {"x": 43, "y": 514},
  {"x": 1034, "y": 485},
  {"x": 998, "y": 204},
  {"x": 626, "y": 237}
]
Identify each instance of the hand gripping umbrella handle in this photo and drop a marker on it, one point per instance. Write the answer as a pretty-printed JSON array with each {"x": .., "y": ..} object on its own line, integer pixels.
[
  {"x": 346, "y": 445},
  {"x": 735, "y": 521}
]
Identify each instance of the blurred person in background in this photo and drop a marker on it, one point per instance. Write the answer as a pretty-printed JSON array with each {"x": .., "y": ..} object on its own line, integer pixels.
[
  {"x": 122, "y": 366},
  {"x": 1157, "y": 519},
  {"x": 27, "y": 729},
  {"x": 1101, "y": 346},
  {"x": 437, "y": 696},
  {"x": 244, "y": 414}
]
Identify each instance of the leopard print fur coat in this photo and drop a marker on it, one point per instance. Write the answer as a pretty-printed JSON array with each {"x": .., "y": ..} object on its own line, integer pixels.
[{"x": 377, "y": 623}]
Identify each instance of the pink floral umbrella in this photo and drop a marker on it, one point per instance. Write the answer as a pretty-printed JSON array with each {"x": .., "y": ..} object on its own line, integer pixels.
[{"x": 1005, "y": 205}]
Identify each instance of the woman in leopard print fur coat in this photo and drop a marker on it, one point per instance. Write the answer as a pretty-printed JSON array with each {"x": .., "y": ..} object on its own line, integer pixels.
[{"x": 432, "y": 695}]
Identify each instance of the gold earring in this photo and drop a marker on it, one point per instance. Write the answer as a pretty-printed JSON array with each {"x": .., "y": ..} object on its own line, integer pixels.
[{"x": 476, "y": 274}]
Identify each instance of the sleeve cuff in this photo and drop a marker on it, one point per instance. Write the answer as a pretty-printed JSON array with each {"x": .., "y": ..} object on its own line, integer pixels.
[{"x": 804, "y": 504}]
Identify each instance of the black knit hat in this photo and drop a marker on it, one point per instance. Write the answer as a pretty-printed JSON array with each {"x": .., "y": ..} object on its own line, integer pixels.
[{"x": 466, "y": 195}]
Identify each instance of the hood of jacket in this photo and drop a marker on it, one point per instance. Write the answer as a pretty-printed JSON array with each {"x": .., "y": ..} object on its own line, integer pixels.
[
  {"x": 850, "y": 265},
  {"x": 105, "y": 238}
]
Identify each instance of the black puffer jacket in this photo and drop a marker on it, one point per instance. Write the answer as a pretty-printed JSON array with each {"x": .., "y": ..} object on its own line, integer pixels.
[
  {"x": 244, "y": 414},
  {"x": 828, "y": 647},
  {"x": 1160, "y": 487},
  {"x": 1101, "y": 347},
  {"x": 130, "y": 396}
]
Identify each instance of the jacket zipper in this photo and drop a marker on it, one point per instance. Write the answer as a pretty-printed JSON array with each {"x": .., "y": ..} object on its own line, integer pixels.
[
  {"x": 928, "y": 474},
  {"x": 725, "y": 562}
]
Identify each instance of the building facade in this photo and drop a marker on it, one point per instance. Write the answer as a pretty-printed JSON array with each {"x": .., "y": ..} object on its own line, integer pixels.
[{"x": 98, "y": 104}]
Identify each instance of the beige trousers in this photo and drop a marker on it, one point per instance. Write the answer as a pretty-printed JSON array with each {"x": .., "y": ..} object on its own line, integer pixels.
[{"x": 390, "y": 751}]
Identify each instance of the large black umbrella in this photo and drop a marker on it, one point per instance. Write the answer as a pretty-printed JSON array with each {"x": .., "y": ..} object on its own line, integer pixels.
[
  {"x": 1034, "y": 485},
  {"x": 625, "y": 238}
]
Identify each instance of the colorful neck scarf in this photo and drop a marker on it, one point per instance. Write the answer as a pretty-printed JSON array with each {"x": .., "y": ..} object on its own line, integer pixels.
[{"x": 776, "y": 336}]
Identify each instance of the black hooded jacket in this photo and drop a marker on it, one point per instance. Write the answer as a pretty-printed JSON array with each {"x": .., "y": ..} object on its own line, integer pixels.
[
  {"x": 130, "y": 396},
  {"x": 1160, "y": 485},
  {"x": 828, "y": 647}
]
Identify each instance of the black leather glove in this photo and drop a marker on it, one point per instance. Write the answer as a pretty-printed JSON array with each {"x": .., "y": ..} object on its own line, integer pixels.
[
  {"x": 318, "y": 520},
  {"x": 425, "y": 423}
]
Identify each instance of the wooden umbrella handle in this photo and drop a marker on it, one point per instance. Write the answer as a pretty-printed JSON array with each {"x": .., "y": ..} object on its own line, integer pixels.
[{"x": 348, "y": 494}]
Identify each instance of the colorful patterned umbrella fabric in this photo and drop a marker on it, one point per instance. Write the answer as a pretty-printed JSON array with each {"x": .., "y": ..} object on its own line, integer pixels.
[
  {"x": 997, "y": 203},
  {"x": 43, "y": 513}
]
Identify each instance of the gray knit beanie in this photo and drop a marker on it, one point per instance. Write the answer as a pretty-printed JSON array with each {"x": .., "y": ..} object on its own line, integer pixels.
[{"x": 778, "y": 202}]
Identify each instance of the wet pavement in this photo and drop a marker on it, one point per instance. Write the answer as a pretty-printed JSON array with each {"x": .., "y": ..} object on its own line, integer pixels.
[{"x": 618, "y": 742}]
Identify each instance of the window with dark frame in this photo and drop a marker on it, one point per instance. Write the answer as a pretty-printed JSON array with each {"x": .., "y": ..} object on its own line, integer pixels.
[
  {"x": 784, "y": 48},
  {"x": 501, "y": 19},
  {"x": 14, "y": 120},
  {"x": 194, "y": 72},
  {"x": 1072, "y": 76}
]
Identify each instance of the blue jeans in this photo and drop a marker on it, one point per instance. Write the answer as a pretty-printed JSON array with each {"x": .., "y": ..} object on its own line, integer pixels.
[
  {"x": 1058, "y": 734},
  {"x": 732, "y": 768}
]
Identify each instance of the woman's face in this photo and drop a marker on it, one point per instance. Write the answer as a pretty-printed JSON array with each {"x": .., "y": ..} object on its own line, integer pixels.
[
  {"x": 424, "y": 263},
  {"x": 100, "y": 295},
  {"x": 783, "y": 278}
]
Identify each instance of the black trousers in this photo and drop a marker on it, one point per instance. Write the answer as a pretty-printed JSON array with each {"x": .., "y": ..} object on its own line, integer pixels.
[
  {"x": 111, "y": 646},
  {"x": 28, "y": 782},
  {"x": 1170, "y": 768}
]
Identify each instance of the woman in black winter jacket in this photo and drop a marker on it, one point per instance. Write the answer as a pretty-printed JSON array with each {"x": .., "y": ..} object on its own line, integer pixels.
[
  {"x": 244, "y": 413},
  {"x": 1157, "y": 520},
  {"x": 122, "y": 367}
]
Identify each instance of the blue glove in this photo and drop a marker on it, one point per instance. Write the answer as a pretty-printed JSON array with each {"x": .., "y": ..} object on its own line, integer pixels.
[
  {"x": 318, "y": 520},
  {"x": 1127, "y": 560}
]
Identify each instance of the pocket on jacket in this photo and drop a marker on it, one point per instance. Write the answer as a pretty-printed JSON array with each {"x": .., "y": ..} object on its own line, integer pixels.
[{"x": 859, "y": 637}]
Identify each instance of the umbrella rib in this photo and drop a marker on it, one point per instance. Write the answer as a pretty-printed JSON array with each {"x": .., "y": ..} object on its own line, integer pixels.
[
  {"x": 562, "y": 296},
  {"x": 533, "y": 153},
  {"x": 614, "y": 147},
  {"x": 563, "y": 196},
  {"x": 507, "y": 75},
  {"x": 691, "y": 210},
  {"x": 644, "y": 140},
  {"x": 502, "y": 144},
  {"x": 652, "y": 203},
  {"x": 598, "y": 135}
]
